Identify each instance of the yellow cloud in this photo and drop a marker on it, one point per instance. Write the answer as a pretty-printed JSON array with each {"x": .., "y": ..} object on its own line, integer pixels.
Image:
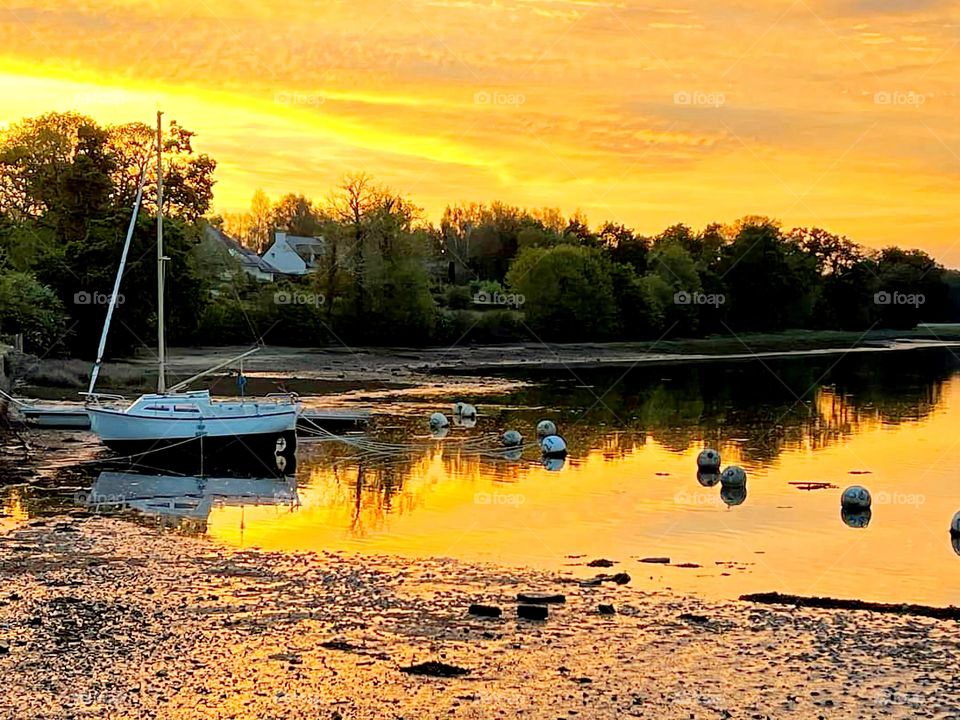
[{"x": 821, "y": 113}]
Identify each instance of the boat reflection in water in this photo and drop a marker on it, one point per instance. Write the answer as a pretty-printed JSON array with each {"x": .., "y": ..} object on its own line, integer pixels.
[{"x": 185, "y": 502}]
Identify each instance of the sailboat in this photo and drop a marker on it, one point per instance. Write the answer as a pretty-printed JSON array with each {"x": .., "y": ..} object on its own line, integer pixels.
[{"x": 176, "y": 419}]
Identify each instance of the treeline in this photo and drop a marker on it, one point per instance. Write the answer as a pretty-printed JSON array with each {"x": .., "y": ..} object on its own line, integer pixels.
[
  {"x": 486, "y": 273},
  {"x": 501, "y": 273}
]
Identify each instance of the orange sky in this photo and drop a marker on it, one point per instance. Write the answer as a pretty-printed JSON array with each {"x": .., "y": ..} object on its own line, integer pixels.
[{"x": 839, "y": 113}]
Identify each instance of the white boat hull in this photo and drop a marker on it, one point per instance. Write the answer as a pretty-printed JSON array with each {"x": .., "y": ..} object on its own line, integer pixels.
[
  {"x": 115, "y": 426},
  {"x": 194, "y": 426}
]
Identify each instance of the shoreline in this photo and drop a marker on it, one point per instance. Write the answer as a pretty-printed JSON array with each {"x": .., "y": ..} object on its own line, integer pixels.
[
  {"x": 101, "y": 617},
  {"x": 334, "y": 370}
]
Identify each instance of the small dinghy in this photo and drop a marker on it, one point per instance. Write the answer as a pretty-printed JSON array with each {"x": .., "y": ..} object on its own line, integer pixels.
[
  {"x": 51, "y": 415},
  {"x": 56, "y": 417}
]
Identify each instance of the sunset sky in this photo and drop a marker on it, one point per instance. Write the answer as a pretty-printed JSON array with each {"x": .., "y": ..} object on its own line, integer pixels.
[{"x": 837, "y": 113}]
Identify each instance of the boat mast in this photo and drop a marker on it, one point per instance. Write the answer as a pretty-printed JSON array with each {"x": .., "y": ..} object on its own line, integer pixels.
[
  {"x": 95, "y": 373},
  {"x": 161, "y": 344}
]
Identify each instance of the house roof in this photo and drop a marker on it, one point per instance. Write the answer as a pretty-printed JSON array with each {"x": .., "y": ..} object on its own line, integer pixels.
[
  {"x": 306, "y": 247},
  {"x": 247, "y": 257}
]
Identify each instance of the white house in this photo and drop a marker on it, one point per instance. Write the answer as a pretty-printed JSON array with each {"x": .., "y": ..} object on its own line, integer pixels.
[
  {"x": 249, "y": 261},
  {"x": 295, "y": 254}
]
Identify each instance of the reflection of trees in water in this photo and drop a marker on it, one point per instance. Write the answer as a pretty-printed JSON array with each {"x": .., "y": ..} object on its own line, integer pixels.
[
  {"x": 375, "y": 487},
  {"x": 373, "y": 490},
  {"x": 761, "y": 407}
]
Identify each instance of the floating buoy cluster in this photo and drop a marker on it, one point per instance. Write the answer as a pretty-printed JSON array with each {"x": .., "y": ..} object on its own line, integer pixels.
[
  {"x": 855, "y": 501},
  {"x": 553, "y": 447},
  {"x": 733, "y": 479}
]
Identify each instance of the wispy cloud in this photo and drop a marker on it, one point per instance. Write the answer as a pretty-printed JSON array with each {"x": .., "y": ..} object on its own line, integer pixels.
[{"x": 645, "y": 112}]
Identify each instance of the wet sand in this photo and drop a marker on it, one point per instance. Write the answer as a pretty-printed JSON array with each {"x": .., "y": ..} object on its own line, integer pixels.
[{"x": 101, "y": 617}]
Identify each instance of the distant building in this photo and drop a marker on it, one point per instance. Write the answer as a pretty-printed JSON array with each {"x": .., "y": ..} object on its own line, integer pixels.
[
  {"x": 295, "y": 254},
  {"x": 248, "y": 261}
]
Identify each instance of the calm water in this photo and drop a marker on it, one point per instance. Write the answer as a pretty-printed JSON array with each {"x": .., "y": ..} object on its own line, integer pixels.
[{"x": 629, "y": 489}]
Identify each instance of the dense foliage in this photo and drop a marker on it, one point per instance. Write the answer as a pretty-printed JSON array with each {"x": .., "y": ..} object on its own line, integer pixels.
[
  {"x": 67, "y": 187},
  {"x": 488, "y": 273}
]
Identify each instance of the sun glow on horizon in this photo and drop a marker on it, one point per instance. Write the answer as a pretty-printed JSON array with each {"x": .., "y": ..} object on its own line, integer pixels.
[{"x": 834, "y": 113}]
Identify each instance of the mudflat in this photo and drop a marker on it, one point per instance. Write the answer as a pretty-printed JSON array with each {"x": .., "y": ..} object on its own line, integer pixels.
[{"x": 102, "y": 617}]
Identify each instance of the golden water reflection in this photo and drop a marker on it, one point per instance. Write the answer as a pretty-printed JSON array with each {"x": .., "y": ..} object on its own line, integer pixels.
[
  {"x": 629, "y": 488},
  {"x": 630, "y": 492}
]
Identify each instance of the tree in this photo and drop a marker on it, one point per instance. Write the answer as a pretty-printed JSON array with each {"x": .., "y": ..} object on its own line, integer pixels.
[
  {"x": 568, "y": 292},
  {"x": 578, "y": 231},
  {"x": 771, "y": 283},
  {"x": 30, "y": 308},
  {"x": 624, "y": 246},
  {"x": 480, "y": 241},
  {"x": 678, "y": 289},
  {"x": 640, "y": 307},
  {"x": 56, "y": 172},
  {"x": 847, "y": 276},
  {"x": 296, "y": 215},
  {"x": 709, "y": 245},
  {"x": 833, "y": 253},
  {"x": 373, "y": 218},
  {"x": 378, "y": 243},
  {"x": 911, "y": 288},
  {"x": 67, "y": 190},
  {"x": 259, "y": 234}
]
